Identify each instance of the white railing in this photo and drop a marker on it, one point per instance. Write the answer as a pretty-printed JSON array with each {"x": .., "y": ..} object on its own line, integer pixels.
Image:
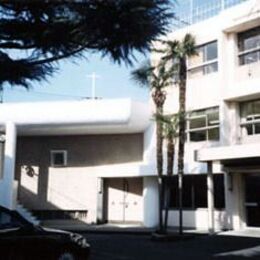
[{"x": 193, "y": 13}]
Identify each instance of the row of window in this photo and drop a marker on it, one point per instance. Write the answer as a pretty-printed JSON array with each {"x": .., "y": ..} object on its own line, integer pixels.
[
  {"x": 206, "y": 60},
  {"x": 203, "y": 125},
  {"x": 195, "y": 191}
]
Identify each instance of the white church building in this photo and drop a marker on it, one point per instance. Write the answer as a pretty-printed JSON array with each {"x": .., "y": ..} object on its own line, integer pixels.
[{"x": 95, "y": 159}]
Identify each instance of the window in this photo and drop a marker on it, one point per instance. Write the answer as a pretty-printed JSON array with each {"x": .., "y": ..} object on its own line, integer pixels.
[
  {"x": 205, "y": 62},
  {"x": 250, "y": 117},
  {"x": 249, "y": 46},
  {"x": 58, "y": 158},
  {"x": 203, "y": 125},
  {"x": 195, "y": 191}
]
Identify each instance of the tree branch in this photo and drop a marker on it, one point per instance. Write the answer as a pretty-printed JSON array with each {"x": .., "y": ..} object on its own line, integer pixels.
[{"x": 59, "y": 57}]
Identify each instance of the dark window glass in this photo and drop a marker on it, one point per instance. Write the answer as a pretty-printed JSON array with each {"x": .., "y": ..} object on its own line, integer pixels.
[
  {"x": 213, "y": 118},
  {"x": 200, "y": 191},
  {"x": 198, "y": 122},
  {"x": 248, "y": 58},
  {"x": 249, "y": 42},
  {"x": 257, "y": 128},
  {"x": 205, "y": 60},
  {"x": 187, "y": 194},
  {"x": 206, "y": 118},
  {"x": 249, "y": 39},
  {"x": 198, "y": 136},
  {"x": 219, "y": 193},
  {"x": 252, "y": 185},
  {"x": 174, "y": 196},
  {"x": 195, "y": 191},
  {"x": 59, "y": 158},
  {"x": 211, "y": 51},
  {"x": 250, "y": 114},
  {"x": 213, "y": 134},
  {"x": 249, "y": 129}
]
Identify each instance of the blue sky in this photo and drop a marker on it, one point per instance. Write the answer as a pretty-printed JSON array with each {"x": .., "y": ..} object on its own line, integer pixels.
[{"x": 72, "y": 83}]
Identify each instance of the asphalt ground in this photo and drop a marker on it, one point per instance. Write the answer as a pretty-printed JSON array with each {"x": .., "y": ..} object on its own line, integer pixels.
[{"x": 202, "y": 247}]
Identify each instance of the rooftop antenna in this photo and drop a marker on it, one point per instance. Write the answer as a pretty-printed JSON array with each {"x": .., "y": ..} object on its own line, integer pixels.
[{"x": 93, "y": 76}]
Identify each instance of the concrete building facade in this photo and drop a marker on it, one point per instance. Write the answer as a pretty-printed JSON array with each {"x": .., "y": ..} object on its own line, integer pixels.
[
  {"x": 90, "y": 159},
  {"x": 95, "y": 159},
  {"x": 222, "y": 100}
]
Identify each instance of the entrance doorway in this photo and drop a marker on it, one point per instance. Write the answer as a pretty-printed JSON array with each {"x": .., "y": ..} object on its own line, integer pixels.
[
  {"x": 252, "y": 199},
  {"x": 124, "y": 199}
]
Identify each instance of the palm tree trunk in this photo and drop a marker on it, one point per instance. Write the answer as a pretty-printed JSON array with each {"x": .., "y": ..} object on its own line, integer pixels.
[
  {"x": 159, "y": 158},
  {"x": 182, "y": 111},
  {"x": 170, "y": 160},
  {"x": 170, "y": 155}
]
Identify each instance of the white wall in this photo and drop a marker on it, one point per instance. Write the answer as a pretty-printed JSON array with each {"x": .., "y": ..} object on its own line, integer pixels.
[
  {"x": 225, "y": 88},
  {"x": 198, "y": 219},
  {"x": 150, "y": 201}
]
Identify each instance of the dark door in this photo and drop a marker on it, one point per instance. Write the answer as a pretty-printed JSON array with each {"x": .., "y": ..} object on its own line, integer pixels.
[{"x": 252, "y": 199}]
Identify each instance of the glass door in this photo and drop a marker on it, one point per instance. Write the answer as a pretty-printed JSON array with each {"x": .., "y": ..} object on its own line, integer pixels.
[{"x": 252, "y": 199}]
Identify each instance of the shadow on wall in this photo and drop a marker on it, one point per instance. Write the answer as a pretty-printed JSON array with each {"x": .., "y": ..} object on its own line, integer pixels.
[
  {"x": 82, "y": 151},
  {"x": 49, "y": 211},
  {"x": 33, "y": 194}
]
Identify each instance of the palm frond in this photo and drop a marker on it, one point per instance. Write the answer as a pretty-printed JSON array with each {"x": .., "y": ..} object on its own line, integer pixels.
[
  {"x": 189, "y": 45},
  {"x": 169, "y": 124},
  {"x": 143, "y": 75}
]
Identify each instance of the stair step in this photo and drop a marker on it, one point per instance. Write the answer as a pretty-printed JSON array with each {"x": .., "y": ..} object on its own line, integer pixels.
[{"x": 27, "y": 214}]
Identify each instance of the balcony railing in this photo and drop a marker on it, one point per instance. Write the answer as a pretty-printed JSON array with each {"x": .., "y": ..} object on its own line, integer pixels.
[{"x": 191, "y": 11}]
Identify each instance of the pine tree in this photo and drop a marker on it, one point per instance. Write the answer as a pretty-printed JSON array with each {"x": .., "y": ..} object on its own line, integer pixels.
[{"x": 36, "y": 35}]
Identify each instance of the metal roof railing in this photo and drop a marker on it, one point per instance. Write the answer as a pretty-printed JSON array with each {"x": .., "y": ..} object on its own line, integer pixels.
[{"x": 193, "y": 11}]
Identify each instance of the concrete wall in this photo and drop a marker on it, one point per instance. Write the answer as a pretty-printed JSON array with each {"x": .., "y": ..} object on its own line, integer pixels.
[
  {"x": 198, "y": 219},
  {"x": 89, "y": 150},
  {"x": 73, "y": 187},
  {"x": 225, "y": 88}
]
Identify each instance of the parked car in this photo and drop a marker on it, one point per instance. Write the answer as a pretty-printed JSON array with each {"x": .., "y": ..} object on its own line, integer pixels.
[{"x": 20, "y": 239}]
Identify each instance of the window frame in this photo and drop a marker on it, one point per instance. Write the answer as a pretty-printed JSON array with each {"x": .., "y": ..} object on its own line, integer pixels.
[
  {"x": 242, "y": 53},
  {"x": 204, "y": 64},
  {"x": 205, "y": 128},
  {"x": 65, "y": 158},
  {"x": 254, "y": 119}
]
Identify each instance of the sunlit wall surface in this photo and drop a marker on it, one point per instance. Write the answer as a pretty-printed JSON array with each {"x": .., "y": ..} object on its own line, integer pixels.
[{"x": 188, "y": 12}]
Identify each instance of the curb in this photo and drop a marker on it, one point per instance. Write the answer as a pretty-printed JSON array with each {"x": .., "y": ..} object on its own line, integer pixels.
[{"x": 103, "y": 231}]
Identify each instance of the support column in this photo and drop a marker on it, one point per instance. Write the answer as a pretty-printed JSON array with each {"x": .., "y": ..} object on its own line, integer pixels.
[
  {"x": 150, "y": 202},
  {"x": 9, "y": 195},
  {"x": 100, "y": 201},
  {"x": 211, "y": 224}
]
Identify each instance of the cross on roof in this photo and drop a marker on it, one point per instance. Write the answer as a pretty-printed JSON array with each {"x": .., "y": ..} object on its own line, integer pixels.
[{"x": 93, "y": 77}]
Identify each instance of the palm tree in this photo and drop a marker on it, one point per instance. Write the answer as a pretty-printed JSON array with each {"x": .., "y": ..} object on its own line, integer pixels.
[
  {"x": 157, "y": 78},
  {"x": 170, "y": 131},
  {"x": 178, "y": 52}
]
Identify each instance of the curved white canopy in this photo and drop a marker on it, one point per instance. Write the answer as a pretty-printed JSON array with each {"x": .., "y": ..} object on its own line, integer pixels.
[{"x": 77, "y": 117}]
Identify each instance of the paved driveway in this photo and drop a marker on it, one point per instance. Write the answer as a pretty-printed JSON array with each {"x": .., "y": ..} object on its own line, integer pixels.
[{"x": 140, "y": 247}]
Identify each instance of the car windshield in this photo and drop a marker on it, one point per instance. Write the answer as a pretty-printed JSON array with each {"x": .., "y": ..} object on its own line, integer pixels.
[{"x": 9, "y": 221}]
